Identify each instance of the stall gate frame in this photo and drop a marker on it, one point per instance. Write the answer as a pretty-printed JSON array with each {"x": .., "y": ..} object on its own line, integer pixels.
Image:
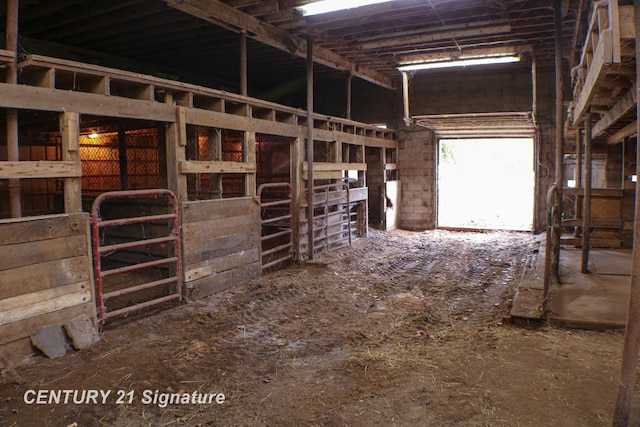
[{"x": 97, "y": 223}]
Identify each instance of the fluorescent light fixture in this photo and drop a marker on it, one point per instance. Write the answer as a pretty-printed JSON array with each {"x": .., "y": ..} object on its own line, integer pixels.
[
  {"x": 93, "y": 135},
  {"x": 487, "y": 60},
  {"x": 326, "y": 6},
  {"x": 571, "y": 183},
  {"x": 634, "y": 178}
]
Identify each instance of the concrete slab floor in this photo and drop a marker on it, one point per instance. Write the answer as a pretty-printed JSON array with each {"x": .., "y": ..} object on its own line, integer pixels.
[{"x": 597, "y": 300}]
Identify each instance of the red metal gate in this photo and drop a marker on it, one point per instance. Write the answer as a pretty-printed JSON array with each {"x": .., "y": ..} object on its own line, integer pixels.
[
  {"x": 276, "y": 204},
  {"x": 156, "y": 257}
]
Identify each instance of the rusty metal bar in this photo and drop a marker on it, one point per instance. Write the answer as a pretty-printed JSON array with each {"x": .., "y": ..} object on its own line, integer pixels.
[
  {"x": 137, "y": 288},
  {"x": 140, "y": 266},
  {"x": 141, "y": 306},
  {"x": 632, "y": 333},
  {"x": 136, "y": 220},
  {"x": 136, "y": 243},
  {"x": 98, "y": 250}
]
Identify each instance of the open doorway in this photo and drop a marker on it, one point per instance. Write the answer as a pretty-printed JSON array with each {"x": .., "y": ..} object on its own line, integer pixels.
[{"x": 486, "y": 183}]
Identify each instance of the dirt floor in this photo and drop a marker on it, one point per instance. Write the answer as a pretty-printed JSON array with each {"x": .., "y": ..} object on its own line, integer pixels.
[{"x": 403, "y": 329}]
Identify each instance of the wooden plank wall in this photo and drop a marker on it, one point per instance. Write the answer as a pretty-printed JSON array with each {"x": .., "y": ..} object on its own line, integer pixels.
[
  {"x": 45, "y": 275},
  {"x": 220, "y": 240}
]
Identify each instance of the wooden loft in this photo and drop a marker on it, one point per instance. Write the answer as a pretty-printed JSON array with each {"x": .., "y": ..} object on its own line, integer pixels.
[{"x": 604, "y": 81}]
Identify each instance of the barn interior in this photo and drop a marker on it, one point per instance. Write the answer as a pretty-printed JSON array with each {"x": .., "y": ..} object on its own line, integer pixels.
[{"x": 159, "y": 152}]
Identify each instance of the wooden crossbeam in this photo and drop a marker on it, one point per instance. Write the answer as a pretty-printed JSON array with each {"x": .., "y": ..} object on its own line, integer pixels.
[{"x": 220, "y": 13}]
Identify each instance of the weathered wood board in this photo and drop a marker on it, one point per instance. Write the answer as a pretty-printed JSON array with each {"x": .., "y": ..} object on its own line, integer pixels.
[
  {"x": 45, "y": 274},
  {"x": 221, "y": 241}
]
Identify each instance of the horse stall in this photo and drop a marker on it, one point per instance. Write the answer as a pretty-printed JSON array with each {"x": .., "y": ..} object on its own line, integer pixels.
[{"x": 122, "y": 194}]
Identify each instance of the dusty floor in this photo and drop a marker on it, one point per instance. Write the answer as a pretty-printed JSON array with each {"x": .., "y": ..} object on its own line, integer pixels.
[{"x": 404, "y": 329}]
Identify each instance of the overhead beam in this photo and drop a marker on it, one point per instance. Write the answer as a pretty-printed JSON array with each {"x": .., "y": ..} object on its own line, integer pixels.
[
  {"x": 624, "y": 106},
  {"x": 220, "y": 13},
  {"x": 465, "y": 52},
  {"x": 625, "y": 132},
  {"x": 440, "y": 33}
]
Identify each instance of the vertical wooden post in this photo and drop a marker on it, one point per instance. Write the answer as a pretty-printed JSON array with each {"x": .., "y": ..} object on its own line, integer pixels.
[
  {"x": 176, "y": 136},
  {"x": 310, "y": 135},
  {"x": 249, "y": 149},
  {"x": 405, "y": 97},
  {"x": 243, "y": 63},
  {"x": 578, "y": 172},
  {"x": 13, "y": 153},
  {"x": 349, "y": 84},
  {"x": 632, "y": 333},
  {"x": 215, "y": 153},
  {"x": 557, "y": 9},
  {"x": 122, "y": 154},
  {"x": 70, "y": 132},
  {"x": 297, "y": 157},
  {"x": 534, "y": 87},
  {"x": 586, "y": 200}
]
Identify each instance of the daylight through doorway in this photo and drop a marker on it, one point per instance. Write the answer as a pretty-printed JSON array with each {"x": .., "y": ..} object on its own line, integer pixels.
[{"x": 486, "y": 183}]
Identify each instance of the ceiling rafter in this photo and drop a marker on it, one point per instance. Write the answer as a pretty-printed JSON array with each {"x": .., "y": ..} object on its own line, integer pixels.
[{"x": 220, "y": 13}]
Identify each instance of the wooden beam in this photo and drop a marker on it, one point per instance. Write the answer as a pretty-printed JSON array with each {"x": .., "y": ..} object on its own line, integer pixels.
[
  {"x": 220, "y": 13},
  {"x": 39, "y": 169},
  {"x": 327, "y": 166},
  {"x": 625, "y": 105},
  {"x": 42, "y": 99},
  {"x": 443, "y": 33},
  {"x": 625, "y": 132},
  {"x": 203, "y": 166}
]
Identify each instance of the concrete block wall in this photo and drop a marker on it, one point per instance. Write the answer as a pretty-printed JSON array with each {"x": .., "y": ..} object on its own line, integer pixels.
[{"x": 416, "y": 157}]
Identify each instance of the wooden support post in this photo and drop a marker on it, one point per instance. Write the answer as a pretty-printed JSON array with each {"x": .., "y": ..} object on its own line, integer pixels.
[
  {"x": 534, "y": 87},
  {"x": 70, "y": 132},
  {"x": 13, "y": 153},
  {"x": 243, "y": 63},
  {"x": 405, "y": 97},
  {"x": 297, "y": 183},
  {"x": 578, "y": 172},
  {"x": 349, "y": 84},
  {"x": 310, "y": 135},
  {"x": 122, "y": 154},
  {"x": 249, "y": 149},
  {"x": 215, "y": 153},
  {"x": 557, "y": 9},
  {"x": 176, "y": 140},
  {"x": 586, "y": 200},
  {"x": 632, "y": 333}
]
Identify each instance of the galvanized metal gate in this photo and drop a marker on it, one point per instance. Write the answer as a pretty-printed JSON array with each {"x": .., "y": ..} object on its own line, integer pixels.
[
  {"x": 139, "y": 265},
  {"x": 276, "y": 213}
]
